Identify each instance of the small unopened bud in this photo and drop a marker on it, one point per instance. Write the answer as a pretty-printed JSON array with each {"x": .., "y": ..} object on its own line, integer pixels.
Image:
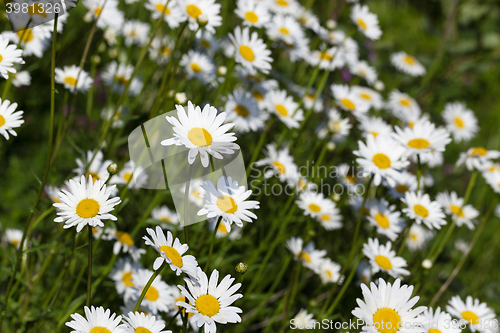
[
  {"x": 101, "y": 48},
  {"x": 87, "y": 18},
  {"x": 312, "y": 233},
  {"x": 202, "y": 20},
  {"x": 171, "y": 93},
  {"x": 336, "y": 197},
  {"x": 222, "y": 71},
  {"x": 427, "y": 264},
  {"x": 379, "y": 85},
  {"x": 331, "y": 24},
  {"x": 241, "y": 268},
  {"x": 180, "y": 98},
  {"x": 113, "y": 53},
  {"x": 96, "y": 59},
  {"x": 112, "y": 168},
  {"x": 331, "y": 146}
]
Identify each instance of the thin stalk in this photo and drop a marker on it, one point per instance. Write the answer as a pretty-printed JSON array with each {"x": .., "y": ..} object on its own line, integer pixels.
[
  {"x": 259, "y": 145},
  {"x": 89, "y": 275},
  {"x": 146, "y": 287},
  {"x": 212, "y": 244},
  {"x": 344, "y": 287}
]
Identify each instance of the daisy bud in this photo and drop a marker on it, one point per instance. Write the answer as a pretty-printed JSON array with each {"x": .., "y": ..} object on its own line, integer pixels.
[
  {"x": 202, "y": 20},
  {"x": 113, "y": 53},
  {"x": 336, "y": 197},
  {"x": 88, "y": 18},
  {"x": 312, "y": 233},
  {"x": 379, "y": 85},
  {"x": 95, "y": 59},
  {"x": 112, "y": 168},
  {"x": 427, "y": 264},
  {"x": 331, "y": 24},
  {"x": 241, "y": 268},
  {"x": 331, "y": 146},
  {"x": 101, "y": 48},
  {"x": 180, "y": 98},
  {"x": 171, "y": 93},
  {"x": 222, "y": 71}
]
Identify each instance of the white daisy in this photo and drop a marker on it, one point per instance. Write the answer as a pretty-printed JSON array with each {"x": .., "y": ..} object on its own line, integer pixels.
[
  {"x": 243, "y": 110},
  {"x": 329, "y": 271},
  {"x": 33, "y": 40},
  {"x": 96, "y": 320},
  {"x": 135, "y": 32},
  {"x": 251, "y": 51},
  {"x": 20, "y": 79},
  {"x": 211, "y": 302},
  {"x": 404, "y": 182},
  {"x": 173, "y": 15},
  {"x": 364, "y": 70},
  {"x": 337, "y": 128},
  {"x": 142, "y": 323},
  {"x": 9, "y": 118},
  {"x": 198, "y": 65},
  {"x": 438, "y": 321},
  {"x": 493, "y": 179},
  {"x": 331, "y": 219},
  {"x": 122, "y": 276},
  {"x": 164, "y": 214},
  {"x": 209, "y": 8},
  {"x": 349, "y": 100},
  {"x": 329, "y": 59},
  {"x": 478, "y": 315},
  {"x": 454, "y": 206},
  {"x": 131, "y": 175},
  {"x": 196, "y": 192},
  {"x": 407, "y": 64},
  {"x": 421, "y": 209},
  {"x": 98, "y": 169},
  {"x": 373, "y": 98},
  {"x": 303, "y": 321},
  {"x": 418, "y": 237},
  {"x": 382, "y": 157},
  {"x": 107, "y": 11},
  {"x": 383, "y": 259},
  {"x": 284, "y": 107},
  {"x": 386, "y": 219},
  {"x": 403, "y": 106},
  {"x": 85, "y": 203},
  {"x": 310, "y": 102},
  {"x": 280, "y": 162},
  {"x": 158, "y": 295},
  {"x": 366, "y": 22},
  {"x": 388, "y": 308},
  {"x": 283, "y": 6},
  {"x": 314, "y": 204},
  {"x": 124, "y": 243},
  {"x": 172, "y": 251},
  {"x": 202, "y": 132},
  {"x": 310, "y": 257},
  {"x": 9, "y": 55},
  {"x": 13, "y": 236},
  {"x": 254, "y": 13},
  {"x": 460, "y": 121},
  {"x": 222, "y": 230},
  {"x": 374, "y": 126},
  {"x": 73, "y": 78},
  {"x": 117, "y": 75},
  {"x": 161, "y": 49},
  {"x": 284, "y": 28},
  {"x": 364, "y": 273},
  {"x": 478, "y": 158},
  {"x": 229, "y": 201}
]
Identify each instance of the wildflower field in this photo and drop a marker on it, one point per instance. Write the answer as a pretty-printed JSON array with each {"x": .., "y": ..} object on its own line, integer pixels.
[{"x": 249, "y": 166}]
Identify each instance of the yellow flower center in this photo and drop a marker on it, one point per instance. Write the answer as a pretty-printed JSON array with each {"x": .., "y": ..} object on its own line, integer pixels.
[
  {"x": 2, "y": 120},
  {"x": 195, "y": 68},
  {"x": 381, "y": 161},
  {"x": 386, "y": 320},
  {"x": 348, "y": 104},
  {"x": 404, "y": 102},
  {"x": 284, "y": 31},
  {"x": 402, "y": 188},
  {"x": 251, "y": 17},
  {"x": 382, "y": 220},
  {"x": 479, "y": 151},
  {"x": 98, "y": 11},
  {"x": 470, "y": 317},
  {"x": 207, "y": 305},
  {"x": 325, "y": 56},
  {"x": 282, "y": 2},
  {"x": 196, "y": 194},
  {"x": 173, "y": 255},
  {"x": 152, "y": 294},
  {"x": 121, "y": 80},
  {"x": 365, "y": 96},
  {"x": 457, "y": 210},
  {"x": 28, "y": 35},
  {"x": 94, "y": 176},
  {"x": 227, "y": 204},
  {"x": 414, "y": 237},
  {"x": 205, "y": 43},
  {"x": 409, "y": 60},
  {"x": 15, "y": 242},
  {"x": 362, "y": 24},
  {"x": 421, "y": 210},
  {"x": 329, "y": 274},
  {"x": 410, "y": 124},
  {"x": 258, "y": 95},
  {"x": 242, "y": 110},
  {"x": 127, "y": 176},
  {"x": 374, "y": 134},
  {"x": 127, "y": 279},
  {"x": 281, "y": 109},
  {"x": 325, "y": 217},
  {"x": 70, "y": 80},
  {"x": 306, "y": 257},
  {"x": 419, "y": 143},
  {"x": 193, "y": 11},
  {"x": 1, "y": 58},
  {"x": 247, "y": 53},
  {"x": 124, "y": 238},
  {"x": 279, "y": 166},
  {"x": 141, "y": 329},
  {"x": 383, "y": 262},
  {"x": 200, "y": 137},
  {"x": 99, "y": 329},
  {"x": 161, "y": 7},
  {"x": 222, "y": 228},
  {"x": 459, "y": 122},
  {"x": 87, "y": 208},
  {"x": 314, "y": 208},
  {"x": 165, "y": 51}
]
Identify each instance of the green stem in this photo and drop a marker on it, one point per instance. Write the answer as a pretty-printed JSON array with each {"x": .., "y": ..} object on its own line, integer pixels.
[
  {"x": 146, "y": 287},
  {"x": 89, "y": 276},
  {"x": 344, "y": 287},
  {"x": 214, "y": 233}
]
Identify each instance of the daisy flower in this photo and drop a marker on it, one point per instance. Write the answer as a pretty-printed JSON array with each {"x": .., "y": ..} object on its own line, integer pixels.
[
  {"x": 96, "y": 320},
  {"x": 308, "y": 19},
  {"x": 284, "y": 107},
  {"x": 107, "y": 11},
  {"x": 454, "y": 206},
  {"x": 374, "y": 126},
  {"x": 135, "y": 32},
  {"x": 33, "y": 41},
  {"x": 331, "y": 219},
  {"x": 85, "y": 203},
  {"x": 407, "y": 64},
  {"x": 460, "y": 121},
  {"x": 207, "y": 42},
  {"x": 493, "y": 179},
  {"x": 349, "y": 100},
  {"x": 283, "y": 6},
  {"x": 284, "y": 28},
  {"x": 310, "y": 257},
  {"x": 98, "y": 169},
  {"x": 254, "y": 13},
  {"x": 370, "y": 96},
  {"x": 161, "y": 49},
  {"x": 21, "y": 79},
  {"x": 164, "y": 214},
  {"x": 280, "y": 162},
  {"x": 142, "y": 323},
  {"x": 364, "y": 273},
  {"x": 329, "y": 271},
  {"x": 131, "y": 175},
  {"x": 9, "y": 118},
  {"x": 211, "y": 302},
  {"x": 438, "y": 321},
  {"x": 477, "y": 158},
  {"x": 202, "y": 132},
  {"x": 383, "y": 259},
  {"x": 363, "y": 69},
  {"x": 13, "y": 236},
  {"x": 117, "y": 75},
  {"x": 477, "y": 314},
  {"x": 381, "y": 157},
  {"x": 198, "y": 65},
  {"x": 404, "y": 182},
  {"x": 122, "y": 276},
  {"x": 388, "y": 308},
  {"x": 314, "y": 204},
  {"x": 243, "y": 110},
  {"x": 366, "y": 22},
  {"x": 9, "y": 55},
  {"x": 158, "y": 295},
  {"x": 172, "y": 251},
  {"x": 310, "y": 102},
  {"x": 251, "y": 51},
  {"x": 421, "y": 209},
  {"x": 303, "y": 321},
  {"x": 209, "y": 8},
  {"x": 403, "y": 106},
  {"x": 228, "y": 201},
  {"x": 124, "y": 243},
  {"x": 386, "y": 219},
  {"x": 73, "y": 78},
  {"x": 196, "y": 192},
  {"x": 222, "y": 230},
  {"x": 173, "y": 15},
  {"x": 329, "y": 59},
  {"x": 418, "y": 237},
  {"x": 337, "y": 128}
]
